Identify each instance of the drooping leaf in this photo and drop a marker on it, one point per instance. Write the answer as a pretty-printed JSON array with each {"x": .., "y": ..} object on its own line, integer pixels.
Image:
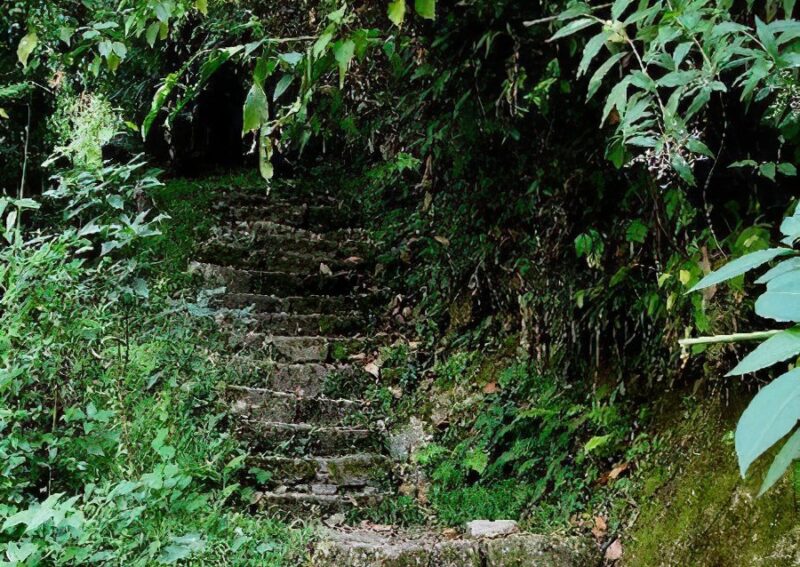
[
  {"x": 593, "y": 47},
  {"x": 397, "y": 12},
  {"x": 158, "y": 101},
  {"x": 26, "y": 46},
  {"x": 740, "y": 266},
  {"x": 265, "y": 154},
  {"x": 788, "y": 453},
  {"x": 425, "y": 8},
  {"x": 618, "y": 8},
  {"x": 772, "y": 413},
  {"x": 282, "y": 85},
  {"x": 255, "y": 111},
  {"x": 601, "y": 72},
  {"x": 343, "y": 52},
  {"x": 775, "y": 349}
]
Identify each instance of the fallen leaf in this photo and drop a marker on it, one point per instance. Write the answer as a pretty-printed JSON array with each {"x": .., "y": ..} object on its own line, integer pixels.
[
  {"x": 600, "y": 528},
  {"x": 490, "y": 388},
  {"x": 373, "y": 369},
  {"x": 354, "y": 260},
  {"x": 442, "y": 240},
  {"x": 618, "y": 470},
  {"x": 450, "y": 533},
  {"x": 324, "y": 269},
  {"x": 614, "y": 551}
]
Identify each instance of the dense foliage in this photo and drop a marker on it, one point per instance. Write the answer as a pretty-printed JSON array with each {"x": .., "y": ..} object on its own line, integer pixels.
[{"x": 560, "y": 173}]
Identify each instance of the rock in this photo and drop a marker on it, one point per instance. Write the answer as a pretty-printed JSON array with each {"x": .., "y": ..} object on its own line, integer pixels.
[
  {"x": 488, "y": 528},
  {"x": 407, "y": 440},
  {"x": 420, "y": 548}
]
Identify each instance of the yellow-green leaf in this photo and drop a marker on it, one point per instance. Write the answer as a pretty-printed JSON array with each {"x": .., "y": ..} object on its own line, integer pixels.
[
  {"x": 425, "y": 8},
  {"x": 397, "y": 12},
  {"x": 26, "y": 46},
  {"x": 265, "y": 154},
  {"x": 202, "y": 6},
  {"x": 3, "y": 113}
]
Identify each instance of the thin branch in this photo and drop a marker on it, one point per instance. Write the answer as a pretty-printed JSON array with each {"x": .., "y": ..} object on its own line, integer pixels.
[{"x": 734, "y": 338}]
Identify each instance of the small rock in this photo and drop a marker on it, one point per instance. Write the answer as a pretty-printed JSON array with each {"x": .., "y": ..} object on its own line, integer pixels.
[
  {"x": 489, "y": 528},
  {"x": 334, "y": 520},
  {"x": 325, "y": 489}
]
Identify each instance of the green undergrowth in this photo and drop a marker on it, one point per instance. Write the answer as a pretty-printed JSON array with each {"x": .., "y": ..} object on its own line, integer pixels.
[
  {"x": 116, "y": 446},
  {"x": 508, "y": 441}
]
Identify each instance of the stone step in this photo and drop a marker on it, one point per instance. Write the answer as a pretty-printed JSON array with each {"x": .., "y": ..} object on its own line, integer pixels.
[
  {"x": 280, "y": 283},
  {"x": 286, "y": 439},
  {"x": 277, "y": 259},
  {"x": 303, "y": 504},
  {"x": 269, "y": 234},
  {"x": 309, "y": 379},
  {"x": 258, "y": 228},
  {"x": 421, "y": 548},
  {"x": 312, "y": 324},
  {"x": 360, "y": 469},
  {"x": 311, "y": 349},
  {"x": 303, "y": 304},
  {"x": 320, "y": 218},
  {"x": 275, "y": 406}
]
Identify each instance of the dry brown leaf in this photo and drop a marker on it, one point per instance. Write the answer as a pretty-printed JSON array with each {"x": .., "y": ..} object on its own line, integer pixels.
[
  {"x": 490, "y": 388},
  {"x": 450, "y": 533},
  {"x": 614, "y": 551},
  {"x": 373, "y": 369},
  {"x": 600, "y": 528},
  {"x": 618, "y": 470},
  {"x": 354, "y": 260},
  {"x": 442, "y": 240}
]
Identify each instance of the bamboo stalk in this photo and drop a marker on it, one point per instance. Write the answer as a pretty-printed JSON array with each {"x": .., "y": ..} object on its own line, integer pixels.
[{"x": 734, "y": 338}]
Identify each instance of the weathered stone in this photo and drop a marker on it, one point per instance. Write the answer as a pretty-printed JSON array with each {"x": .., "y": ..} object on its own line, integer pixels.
[
  {"x": 324, "y": 489},
  {"x": 302, "y": 438},
  {"x": 489, "y": 528},
  {"x": 304, "y": 504},
  {"x": 270, "y": 405},
  {"x": 527, "y": 550},
  {"x": 420, "y": 548},
  {"x": 407, "y": 439}
]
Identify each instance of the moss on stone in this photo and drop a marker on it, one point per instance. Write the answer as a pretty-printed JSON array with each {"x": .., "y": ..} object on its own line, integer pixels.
[{"x": 694, "y": 508}]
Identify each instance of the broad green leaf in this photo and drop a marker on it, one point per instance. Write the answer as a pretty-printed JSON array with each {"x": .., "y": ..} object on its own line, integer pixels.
[
  {"x": 26, "y": 46},
  {"x": 767, "y": 170},
  {"x": 322, "y": 42},
  {"x": 151, "y": 35},
  {"x": 255, "y": 110},
  {"x": 787, "y": 169},
  {"x": 593, "y": 47},
  {"x": 781, "y": 301},
  {"x": 425, "y": 8},
  {"x": 282, "y": 85},
  {"x": 788, "y": 453},
  {"x": 782, "y": 268},
  {"x": 343, "y": 52},
  {"x": 698, "y": 147},
  {"x": 772, "y": 413},
  {"x": 573, "y": 27},
  {"x": 292, "y": 58},
  {"x": 683, "y": 168},
  {"x": 740, "y": 266},
  {"x": 397, "y": 12},
  {"x": 181, "y": 548},
  {"x": 788, "y": 7},
  {"x": 775, "y": 349},
  {"x": 596, "y": 442},
  {"x": 601, "y": 72},
  {"x": 202, "y": 6}
]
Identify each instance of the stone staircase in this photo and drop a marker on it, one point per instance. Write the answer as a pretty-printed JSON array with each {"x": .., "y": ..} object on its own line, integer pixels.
[
  {"x": 300, "y": 278},
  {"x": 303, "y": 276}
]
